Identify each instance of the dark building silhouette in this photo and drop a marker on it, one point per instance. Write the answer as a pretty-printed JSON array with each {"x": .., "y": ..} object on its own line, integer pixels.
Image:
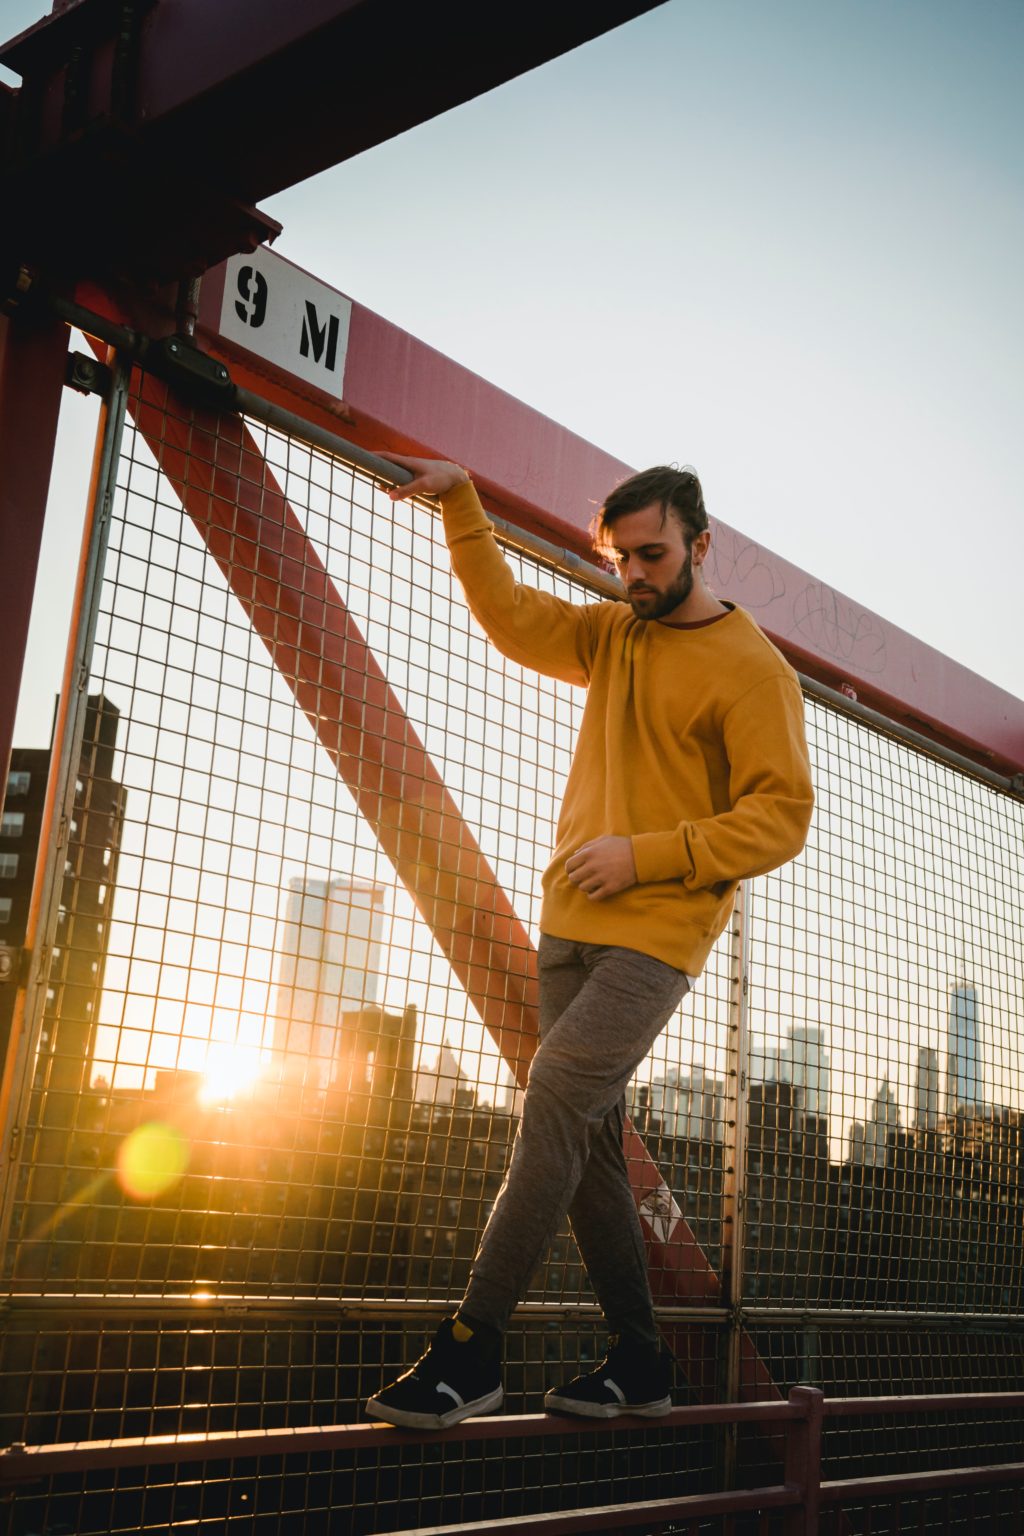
[
  {"x": 93, "y": 840},
  {"x": 19, "y": 848},
  {"x": 75, "y": 980},
  {"x": 788, "y": 1209},
  {"x": 83, "y": 925}
]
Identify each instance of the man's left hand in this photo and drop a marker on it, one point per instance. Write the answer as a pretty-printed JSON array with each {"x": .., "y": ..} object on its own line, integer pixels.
[{"x": 602, "y": 867}]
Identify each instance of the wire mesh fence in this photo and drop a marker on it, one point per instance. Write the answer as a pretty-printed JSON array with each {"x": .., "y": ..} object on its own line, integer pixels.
[
  {"x": 279, "y": 1067},
  {"x": 885, "y": 1123},
  {"x": 985, "y": 1511}
]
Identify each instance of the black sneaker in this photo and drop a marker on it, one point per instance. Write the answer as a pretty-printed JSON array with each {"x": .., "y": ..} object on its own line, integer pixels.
[
  {"x": 451, "y": 1382},
  {"x": 632, "y": 1378}
]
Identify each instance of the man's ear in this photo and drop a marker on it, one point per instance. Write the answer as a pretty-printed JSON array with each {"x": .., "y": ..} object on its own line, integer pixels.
[{"x": 700, "y": 546}]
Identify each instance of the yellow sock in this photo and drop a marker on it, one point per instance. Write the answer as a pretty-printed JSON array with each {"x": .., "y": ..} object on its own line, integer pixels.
[{"x": 460, "y": 1333}]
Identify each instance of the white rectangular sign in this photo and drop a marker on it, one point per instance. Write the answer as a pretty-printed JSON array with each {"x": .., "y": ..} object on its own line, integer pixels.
[{"x": 285, "y": 316}]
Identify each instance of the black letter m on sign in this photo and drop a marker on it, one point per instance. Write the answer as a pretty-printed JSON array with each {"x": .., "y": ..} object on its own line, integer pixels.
[{"x": 315, "y": 336}]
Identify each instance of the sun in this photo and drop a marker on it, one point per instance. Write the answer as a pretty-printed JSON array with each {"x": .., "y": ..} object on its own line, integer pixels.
[{"x": 230, "y": 1070}]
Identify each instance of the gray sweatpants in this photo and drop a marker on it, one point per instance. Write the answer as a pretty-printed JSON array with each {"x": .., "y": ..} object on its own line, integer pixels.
[{"x": 601, "y": 1009}]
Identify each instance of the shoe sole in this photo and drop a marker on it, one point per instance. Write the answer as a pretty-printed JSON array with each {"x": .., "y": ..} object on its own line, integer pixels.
[
  {"x": 576, "y": 1409},
  {"x": 403, "y": 1419}
]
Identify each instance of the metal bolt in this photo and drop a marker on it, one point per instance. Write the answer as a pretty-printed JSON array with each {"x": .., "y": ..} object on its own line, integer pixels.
[{"x": 6, "y": 965}]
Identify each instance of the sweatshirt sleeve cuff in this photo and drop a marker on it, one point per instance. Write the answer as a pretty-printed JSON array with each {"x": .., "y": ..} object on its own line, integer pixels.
[
  {"x": 462, "y": 510},
  {"x": 661, "y": 856}
]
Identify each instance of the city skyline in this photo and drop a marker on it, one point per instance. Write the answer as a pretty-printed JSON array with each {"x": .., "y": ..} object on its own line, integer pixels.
[{"x": 228, "y": 809}]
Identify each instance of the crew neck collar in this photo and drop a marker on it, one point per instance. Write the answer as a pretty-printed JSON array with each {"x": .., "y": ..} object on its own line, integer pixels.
[{"x": 716, "y": 618}]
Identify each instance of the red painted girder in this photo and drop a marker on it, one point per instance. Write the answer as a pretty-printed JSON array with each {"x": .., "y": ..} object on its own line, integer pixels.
[
  {"x": 214, "y": 104},
  {"x": 232, "y": 498},
  {"x": 32, "y": 353},
  {"x": 403, "y": 394}
]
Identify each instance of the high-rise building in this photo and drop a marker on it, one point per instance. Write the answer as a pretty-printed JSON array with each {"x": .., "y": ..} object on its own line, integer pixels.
[
  {"x": 764, "y": 1061},
  {"x": 19, "y": 844},
  {"x": 92, "y": 846},
  {"x": 79, "y": 959},
  {"x": 927, "y": 1104},
  {"x": 870, "y": 1140},
  {"x": 691, "y": 1107},
  {"x": 64, "y": 1058},
  {"x": 963, "y": 1051},
  {"x": 804, "y": 1061},
  {"x": 329, "y": 965}
]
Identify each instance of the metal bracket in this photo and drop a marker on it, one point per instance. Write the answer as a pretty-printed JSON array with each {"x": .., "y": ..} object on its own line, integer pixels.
[
  {"x": 179, "y": 362},
  {"x": 17, "y": 282},
  {"x": 86, "y": 374}
]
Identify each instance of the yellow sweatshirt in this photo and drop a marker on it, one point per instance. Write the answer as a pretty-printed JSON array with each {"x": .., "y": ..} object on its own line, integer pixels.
[{"x": 692, "y": 744}]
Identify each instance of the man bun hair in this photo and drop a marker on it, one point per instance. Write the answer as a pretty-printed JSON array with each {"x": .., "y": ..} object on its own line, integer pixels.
[{"x": 675, "y": 490}]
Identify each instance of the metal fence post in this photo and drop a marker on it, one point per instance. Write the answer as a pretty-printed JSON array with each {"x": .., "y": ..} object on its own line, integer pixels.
[
  {"x": 734, "y": 1171},
  {"x": 803, "y": 1460}
]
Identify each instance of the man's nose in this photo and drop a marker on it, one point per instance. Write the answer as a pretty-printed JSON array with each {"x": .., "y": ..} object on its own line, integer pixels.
[{"x": 634, "y": 571}]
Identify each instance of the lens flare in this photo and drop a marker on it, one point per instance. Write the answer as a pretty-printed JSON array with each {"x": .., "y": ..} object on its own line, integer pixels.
[{"x": 151, "y": 1159}]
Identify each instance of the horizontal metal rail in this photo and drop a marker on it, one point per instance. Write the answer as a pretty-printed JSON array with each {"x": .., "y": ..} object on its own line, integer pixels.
[
  {"x": 309, "y": 1308},
  {"x": 848, "y": 1490},
  {"x": 923, "y": 1402},
  {"x": 19, "y": 1462},
  {"x": 757, "y": 1500},
  {"x": 650, "y": 1513},
  {"x": 904, "y": 733},
  {"x": 294, "y": 425},
  {"x": 766, "y": 1315},
  {"x": 30, "y": 1305}
]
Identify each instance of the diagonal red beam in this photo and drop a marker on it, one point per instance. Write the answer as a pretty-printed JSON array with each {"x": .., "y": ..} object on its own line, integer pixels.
[{"x": 272, "y": 568}]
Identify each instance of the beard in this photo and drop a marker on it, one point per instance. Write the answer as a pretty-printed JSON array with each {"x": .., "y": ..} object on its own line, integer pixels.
[{"x": 653, "y": 604}]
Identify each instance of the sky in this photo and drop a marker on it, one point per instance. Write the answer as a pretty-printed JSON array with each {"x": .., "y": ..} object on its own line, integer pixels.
[{"x": 779, "y": 243}]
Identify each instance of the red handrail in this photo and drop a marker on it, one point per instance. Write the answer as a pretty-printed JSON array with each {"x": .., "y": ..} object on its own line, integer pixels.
[
  {"x": 20, "y": 1461},
  {"x": 800, "y": 1419}
]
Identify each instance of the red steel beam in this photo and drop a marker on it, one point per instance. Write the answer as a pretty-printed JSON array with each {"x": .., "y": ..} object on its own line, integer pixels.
[
  {"x": 32, "y": 352},
  {"x": 400, "y": 393},
  {"x": 231, "y": 495},
  {"x": 303, "y": 85},
  {"x": 204, "y": 108}
]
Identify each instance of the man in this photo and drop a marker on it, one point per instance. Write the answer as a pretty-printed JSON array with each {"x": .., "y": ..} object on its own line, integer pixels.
[{"x": 690, "y": 774}]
